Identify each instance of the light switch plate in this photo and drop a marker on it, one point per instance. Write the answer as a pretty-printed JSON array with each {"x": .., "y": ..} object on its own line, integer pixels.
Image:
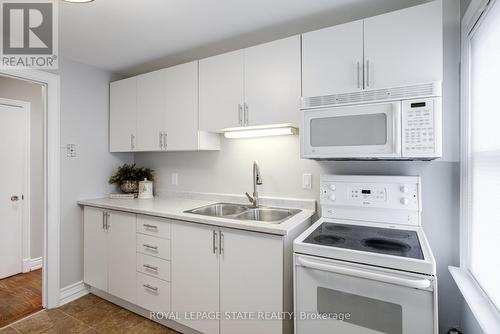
[
  {"x": 306, "y": 181},
  {"x": 175, "y": 179}
]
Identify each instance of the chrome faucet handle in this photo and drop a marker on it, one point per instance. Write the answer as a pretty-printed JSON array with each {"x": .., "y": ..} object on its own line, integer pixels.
[{"x": 250, "y": 198}]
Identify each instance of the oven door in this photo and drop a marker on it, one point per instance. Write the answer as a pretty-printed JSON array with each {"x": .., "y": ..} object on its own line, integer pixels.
[
  {"x": 333, "y": 297},
  {"x": 368, "y": 131}
]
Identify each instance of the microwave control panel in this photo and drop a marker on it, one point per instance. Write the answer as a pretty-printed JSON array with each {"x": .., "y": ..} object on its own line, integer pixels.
[{"x": 421, "y": 119}]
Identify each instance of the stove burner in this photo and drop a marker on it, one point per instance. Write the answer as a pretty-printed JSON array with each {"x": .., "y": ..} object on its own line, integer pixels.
[
  {"x": 386, "y": 245},
  {"x": 331, "y": 227},
  {"x": 394, "y": 234},
  {"x": 329, "y": 239}
]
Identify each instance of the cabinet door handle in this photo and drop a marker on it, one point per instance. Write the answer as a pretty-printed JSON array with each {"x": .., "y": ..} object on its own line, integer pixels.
[
  {"x": 160, "y": 139},
  {"x": 368, "y": 73},
  {"x": 150, "y": 227},
  {"x": 214, "y": 242},
  {"x": 221, "y": 243},
  {"x": 132, "y": 142},
  {"x": 150, "y": 287},
  {"x": 164, "y": 140},
  {"x": 150, "y": 247},
  {"x": 240, "y": 114},
  {"x": 150, "y": 267},
  {"x": 104, "y": 220},
  {"x": 246, "y": 114},
  {"x": 107, "y": 214},
  {"x": 358, "y": 69}
]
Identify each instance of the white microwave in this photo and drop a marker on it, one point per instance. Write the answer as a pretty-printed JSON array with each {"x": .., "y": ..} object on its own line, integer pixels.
[{"x": 395, "y": 130}]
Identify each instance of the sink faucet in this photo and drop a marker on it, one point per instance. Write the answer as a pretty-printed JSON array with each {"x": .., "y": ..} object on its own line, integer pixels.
[{"x": 257, "y": 180}]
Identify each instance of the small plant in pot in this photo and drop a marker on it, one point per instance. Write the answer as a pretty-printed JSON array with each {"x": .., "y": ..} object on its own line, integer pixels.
[{"x": 127, "y": 177}]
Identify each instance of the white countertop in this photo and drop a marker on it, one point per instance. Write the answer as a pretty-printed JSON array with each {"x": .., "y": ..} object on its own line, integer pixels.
[{"x": 174, "y": 207}]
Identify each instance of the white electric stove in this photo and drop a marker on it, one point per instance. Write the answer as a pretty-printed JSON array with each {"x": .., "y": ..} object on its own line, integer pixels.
[{"x": 365, "y": 267}]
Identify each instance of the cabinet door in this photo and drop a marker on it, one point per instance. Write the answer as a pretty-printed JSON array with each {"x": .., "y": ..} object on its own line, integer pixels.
[
  {"x": 272, "y": 82},
  {"x": 251, "y": 279},
  {"x": 332, "y": 60},
  {"x": 404, "y": 47},
  {"x": 95, "y": 264},
  {"x": 181, "y": 92},
  {"x": 121, "y": 255},
  {"x": 195, "y": 274},
  {"x": 122, "y": 115},
  {"x": 221, "y": 91},
  {"x": 150, "y": 110}
]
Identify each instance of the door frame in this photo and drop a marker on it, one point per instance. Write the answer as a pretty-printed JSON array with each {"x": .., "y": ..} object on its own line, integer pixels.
[
  {"x": 51, "y": 220},
  {"x": 26, "y": 214}
]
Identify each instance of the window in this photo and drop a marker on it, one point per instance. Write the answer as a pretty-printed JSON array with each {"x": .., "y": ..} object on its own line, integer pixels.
[{"x": 481, "y": 158}]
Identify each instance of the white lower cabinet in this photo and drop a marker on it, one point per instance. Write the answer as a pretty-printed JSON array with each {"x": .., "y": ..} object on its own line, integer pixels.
[
  {"x": 229, "y": 273},
  {"x": 109, "y": 252},
  {"x": 153, "y": 294}
]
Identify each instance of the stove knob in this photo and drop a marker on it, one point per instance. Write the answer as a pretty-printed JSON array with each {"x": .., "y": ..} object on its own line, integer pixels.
[
  {"x": 333, "y": 197},
  {"x": 405, "y": 201},
  {"x": 404, "y": 189},
  {"x": 333, "y": 187}
]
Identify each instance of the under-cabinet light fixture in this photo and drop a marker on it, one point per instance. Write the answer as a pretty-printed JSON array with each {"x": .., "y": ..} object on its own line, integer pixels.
[
  {"x": 78, "y": 1},
  {"x": 261, "y": 132}
]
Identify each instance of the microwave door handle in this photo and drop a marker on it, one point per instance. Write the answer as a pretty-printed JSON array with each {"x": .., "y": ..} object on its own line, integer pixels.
[
  {"x": 397, "y": 136},
  {"x": 410, "y": 283}
]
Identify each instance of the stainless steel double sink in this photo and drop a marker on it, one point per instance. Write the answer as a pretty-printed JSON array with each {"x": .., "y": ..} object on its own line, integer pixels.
[{"x": 245, "y": 212}]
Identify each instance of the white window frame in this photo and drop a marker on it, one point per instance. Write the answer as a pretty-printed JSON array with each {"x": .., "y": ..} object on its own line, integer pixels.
[{"x": 485, "y": 312}]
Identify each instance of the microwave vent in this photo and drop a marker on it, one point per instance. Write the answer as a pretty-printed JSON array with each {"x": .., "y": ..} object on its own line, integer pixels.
[{"x": 397, "y": 93}]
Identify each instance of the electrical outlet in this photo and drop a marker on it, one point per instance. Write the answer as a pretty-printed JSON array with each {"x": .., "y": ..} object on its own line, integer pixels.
[
  {"x": 307, "y": 181},
  {"x": 71, "y": 150},
  {"x": 175, "y": 179}
]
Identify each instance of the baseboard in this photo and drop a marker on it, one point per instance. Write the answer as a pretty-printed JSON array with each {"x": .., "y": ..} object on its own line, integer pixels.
[
  {"x": 72, "y": 292},
  {"x": 32, "y": 264}
]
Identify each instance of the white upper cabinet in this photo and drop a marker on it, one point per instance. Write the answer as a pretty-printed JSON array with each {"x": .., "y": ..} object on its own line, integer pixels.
[
  {"x": 122, "y": 117},
  {"x": 151, "y": 111},
  {"x": 391, "y": 50},
  {"x": 251, "y": 87},
  {"x": 221, "y": 91},
  {"x": 404, "y": 47},
  {"x": 181, "y": 118},
  {"x": 272, "y": 82},
  {"x": 332, "y": 60}
]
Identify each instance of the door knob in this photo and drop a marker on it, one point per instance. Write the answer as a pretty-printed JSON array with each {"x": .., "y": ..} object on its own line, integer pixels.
[{"x": 14, "y": 198}]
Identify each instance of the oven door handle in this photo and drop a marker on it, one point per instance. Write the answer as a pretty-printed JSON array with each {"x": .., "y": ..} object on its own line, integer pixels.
[{"x": 410, "y": 283}]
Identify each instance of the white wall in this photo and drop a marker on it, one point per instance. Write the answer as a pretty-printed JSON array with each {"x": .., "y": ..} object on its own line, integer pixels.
[
  {"x": 84, "y": 122},
  {"x": 30, "y": 92}
]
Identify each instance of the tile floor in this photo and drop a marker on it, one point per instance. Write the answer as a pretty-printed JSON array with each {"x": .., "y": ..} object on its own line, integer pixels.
[
  {"x": 87, "y": 315},
  {"x": 20, "y": 296}
]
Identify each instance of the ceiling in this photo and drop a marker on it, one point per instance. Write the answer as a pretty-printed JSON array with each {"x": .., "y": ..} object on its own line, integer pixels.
[{"x": 137, "y": 36}]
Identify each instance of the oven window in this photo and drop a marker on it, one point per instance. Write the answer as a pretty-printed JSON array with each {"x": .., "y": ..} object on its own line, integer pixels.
[
  {"x": 358, "y": 130},
  {"x": 374, "y": 314}
]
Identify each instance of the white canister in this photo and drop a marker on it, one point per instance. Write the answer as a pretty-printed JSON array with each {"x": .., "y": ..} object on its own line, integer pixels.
[{"x": 146, "y": 189}]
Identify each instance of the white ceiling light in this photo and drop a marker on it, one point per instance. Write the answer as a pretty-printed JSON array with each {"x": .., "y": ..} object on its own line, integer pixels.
[
  {"x": 260, "y": 132},
  {"x": 78, "y": 1}
]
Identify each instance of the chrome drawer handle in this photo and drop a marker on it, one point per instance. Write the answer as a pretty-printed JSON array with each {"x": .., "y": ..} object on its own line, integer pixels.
[
  {"x": 150, "y": 267},
  {"x": 150, "y": 247},
  {"x": 150, "y": 287},
  {"x": 150, "y": 227}
]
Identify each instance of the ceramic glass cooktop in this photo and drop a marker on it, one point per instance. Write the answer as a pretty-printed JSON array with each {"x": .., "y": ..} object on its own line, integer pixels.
[{"x": 368, "y": 239}]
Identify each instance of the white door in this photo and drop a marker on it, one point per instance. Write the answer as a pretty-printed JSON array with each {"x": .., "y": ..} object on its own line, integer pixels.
[
  {"x": 332, "y": 60},
  {"x": 404, "y": 47},
  {"x": 221, "y": 91},
  {"x": 181, "y": 91},
  {"x": 13, "y": 148},
  {"x": 95, "y": 262},
  {"x": 358, "y": 299},
  {"x": 251, "y": 280},
  {"x": 195, "y": 274},
  {"x": 122, "y": 115},
  {"x": 272, "y": 82},
  {"x": 150, "y": 110},
  {"x": 121, "y": 253}
]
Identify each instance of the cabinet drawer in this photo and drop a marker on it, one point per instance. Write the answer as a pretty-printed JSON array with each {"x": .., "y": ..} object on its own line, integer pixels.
[
  {"x": 153, "y": 294},
  {"x": 158, "y": 227},
  {"x": 153, "y": 266},
  {"x": 153, "y": 246}
]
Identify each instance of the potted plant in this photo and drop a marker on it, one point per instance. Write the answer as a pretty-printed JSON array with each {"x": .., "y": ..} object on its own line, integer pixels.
[{"x": 127, "y": 177}]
